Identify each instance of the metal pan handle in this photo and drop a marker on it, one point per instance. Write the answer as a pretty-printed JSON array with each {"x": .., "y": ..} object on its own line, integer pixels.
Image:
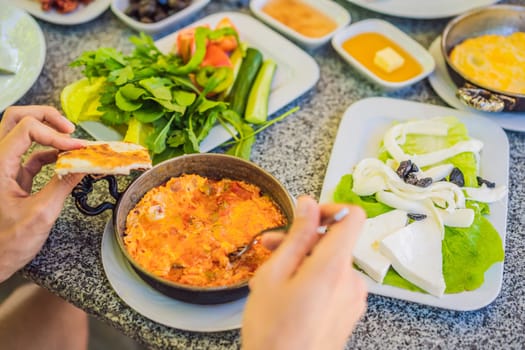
[
  {"x": 484, "y": 100},
  {"x": 85, "y": 187}
]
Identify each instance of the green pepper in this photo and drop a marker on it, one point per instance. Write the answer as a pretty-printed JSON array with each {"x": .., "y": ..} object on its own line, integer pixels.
[
  {"x": 202, "y": 34},
  {"x": 222, "y": 75}
]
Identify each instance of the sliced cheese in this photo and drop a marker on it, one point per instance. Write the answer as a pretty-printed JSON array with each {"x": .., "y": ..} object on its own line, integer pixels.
[
  {"x": 457, "y": 217},
  {"x": 366, "y": 252},
  {"x": 485, "y": 194},
  {"x": 415, "y": 253}
]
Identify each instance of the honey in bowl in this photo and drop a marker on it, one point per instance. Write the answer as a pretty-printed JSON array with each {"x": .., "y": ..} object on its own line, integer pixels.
[
  {"x": 372, "y": 49},
  {"x": 493, "y": 61},
  {"x": 301, "y": 17},
  {"x": 183, "y": 230}
]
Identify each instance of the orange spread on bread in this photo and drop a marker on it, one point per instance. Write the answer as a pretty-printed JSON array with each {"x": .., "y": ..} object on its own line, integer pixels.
[{"x": 104, "y": 155}]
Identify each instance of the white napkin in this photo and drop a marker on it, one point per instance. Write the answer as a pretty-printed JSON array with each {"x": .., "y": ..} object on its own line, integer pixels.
[{"x": 8, "y": 60}]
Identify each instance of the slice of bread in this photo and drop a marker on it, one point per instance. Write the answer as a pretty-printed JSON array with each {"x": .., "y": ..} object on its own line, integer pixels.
[{"x": 103, "y": 157}]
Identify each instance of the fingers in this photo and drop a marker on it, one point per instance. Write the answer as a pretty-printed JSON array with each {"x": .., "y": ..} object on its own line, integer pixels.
[
  {"x": 44, "y": 114},
  {"x": 28, "y": 130},
  {"x": 299, "y": 241},
  {"x": 272, "y": 240},
  {"x": 340, "y": 239},
  {"x": 53, "y": 195},
  {"x": 33, "y": 165}
]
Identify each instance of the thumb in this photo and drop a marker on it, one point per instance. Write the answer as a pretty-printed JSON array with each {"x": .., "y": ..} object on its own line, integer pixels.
[
  {"x": 300, "y": 239},
  {"x": 56, "y": 191}
]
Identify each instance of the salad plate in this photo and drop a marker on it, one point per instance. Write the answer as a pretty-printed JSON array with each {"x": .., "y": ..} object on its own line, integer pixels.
[
  {"x": 158, "y": 307},
  {"x": 423, "y": 9},
  {"x": 21, "y": 36},
  {"x": 442, "y": 83},
  {"x": 84, "y": 13},
  {"x": 297, "y": 72},
  {"x": 360, "y": 133}
]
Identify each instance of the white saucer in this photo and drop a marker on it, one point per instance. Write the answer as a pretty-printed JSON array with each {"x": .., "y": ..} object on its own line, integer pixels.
[
  {"x": 158, "y": 307},
  {"x": 446, "y": 89}
]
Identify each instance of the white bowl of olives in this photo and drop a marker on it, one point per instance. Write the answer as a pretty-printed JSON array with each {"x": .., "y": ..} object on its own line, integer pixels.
[{"x": 153, "y": 16}]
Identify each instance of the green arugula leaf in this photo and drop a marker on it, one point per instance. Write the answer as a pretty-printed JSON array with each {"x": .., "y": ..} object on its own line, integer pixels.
[
  {"x": 184, "y": 98},
  {"x": 157, "y": 142},
  {"x": 149, "y": 112},
  {"x": 126, "y": 105},
  {"x": 131, "y": 92},
  {"x": 158, "y": 87}
]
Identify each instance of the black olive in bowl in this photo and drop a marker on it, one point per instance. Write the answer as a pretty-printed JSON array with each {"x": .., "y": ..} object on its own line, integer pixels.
[{"x": 153, "y": 16}]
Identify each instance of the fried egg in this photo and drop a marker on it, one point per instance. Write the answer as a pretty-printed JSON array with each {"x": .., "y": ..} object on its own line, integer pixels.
[{"x": 493, "y": 61}]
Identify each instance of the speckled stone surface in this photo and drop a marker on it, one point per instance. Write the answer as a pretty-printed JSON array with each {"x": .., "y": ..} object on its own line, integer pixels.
[{"x": 296, "y": 151}]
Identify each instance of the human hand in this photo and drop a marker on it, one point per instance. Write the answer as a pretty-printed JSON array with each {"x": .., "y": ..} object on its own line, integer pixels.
[
  {"x": 307, "y": 295},
  {"x": 25, "y": 218}
]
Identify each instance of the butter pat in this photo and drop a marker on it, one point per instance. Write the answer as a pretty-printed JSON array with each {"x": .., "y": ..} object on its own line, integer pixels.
[{"x": 388, "y": 59}]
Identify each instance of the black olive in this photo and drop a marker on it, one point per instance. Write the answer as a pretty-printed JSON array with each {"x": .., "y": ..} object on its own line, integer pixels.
[
  {"x": 411, "y": 179},
  {"x": 416, "y": 217},
  {"x": 487, "y": 183},
  {"x": 456, "y": 177},
  {"x": 404, "y": 168},
  {"x": 160, "y": 15},
  {"x": 424, "y": 182},
  {"x": 146, "y": 20},
  {"x": 147, "y": 8}
]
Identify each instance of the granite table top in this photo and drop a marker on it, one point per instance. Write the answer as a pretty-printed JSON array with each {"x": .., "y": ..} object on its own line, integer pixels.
[{"x": 296, "y": 151}]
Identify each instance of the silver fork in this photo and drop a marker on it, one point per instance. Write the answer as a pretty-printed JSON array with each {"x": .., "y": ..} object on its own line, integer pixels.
[{"x": 322, "y": 229}]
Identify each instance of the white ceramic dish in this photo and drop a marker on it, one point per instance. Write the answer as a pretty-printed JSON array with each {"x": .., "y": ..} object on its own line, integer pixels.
[
  {"x": 119, "y": 6},
  {"x": 390, "y": 31},
  {"x": 333, "y": 10},
  {"x": 155, "y": 305},
  {"x": 22, "y": 36},
  {"x": 446, "y": 89},
  {"x": 359, "y": 136},
  {"x": 297, "y": 72},
  {"x": 424, "y": 9},
  {"x": 81, "y": 15}
]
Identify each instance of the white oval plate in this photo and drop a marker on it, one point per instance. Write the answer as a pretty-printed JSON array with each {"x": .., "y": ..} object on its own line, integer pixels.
[
  {"x": 297, "y": 72},
  {"x": 446, "y": 89},
  {"x": 158, "y": 307},
  {"x": 21, "y": 35},
  {"x": 360, "y": 132},
  {"x": 424, "y": 9},
  {"x": 81, "y": 15}
]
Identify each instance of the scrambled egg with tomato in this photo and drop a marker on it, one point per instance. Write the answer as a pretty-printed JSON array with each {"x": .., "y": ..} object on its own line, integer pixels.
[
  {"x": 183, "y": 231},
  {"x": 494, "y": 61}
]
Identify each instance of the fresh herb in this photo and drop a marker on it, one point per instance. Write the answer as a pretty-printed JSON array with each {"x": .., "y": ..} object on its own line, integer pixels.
[{"x": 156, "y": 92}]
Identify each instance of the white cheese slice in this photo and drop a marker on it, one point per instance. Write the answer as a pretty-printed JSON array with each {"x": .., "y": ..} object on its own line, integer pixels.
[
  {"x": 485, "y": 194},
  {"x": 415, "y": 253},
  {"x": 366, "y": 252},
  {"x": 8, "y": 60},
  {"x": 457, "y": 217},
  {"x": 437, "y": 173}
]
